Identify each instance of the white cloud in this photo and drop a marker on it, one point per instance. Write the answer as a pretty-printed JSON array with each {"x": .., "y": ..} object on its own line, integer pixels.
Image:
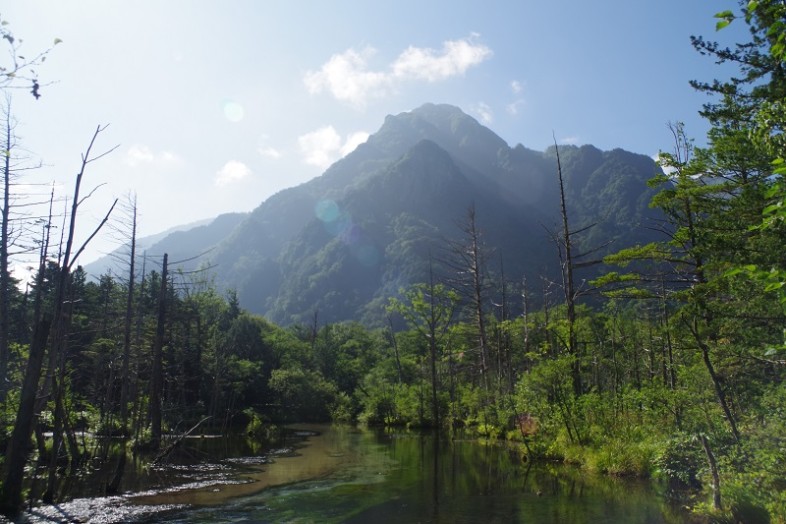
[
  {"x": 484, "y": 113},
  {"x": 571, "y": 140},
  {"x": 667, "y": 169},
  {"x": 270, "y": 152},
  {"x": 347, "y": 76},
  {"x": 231, "y": 172},
  {"x": 319, "y": 147},
  {"x": 169, "y": 158},
  {"x": 140, "y": 154},
  {"x": 454, "y": 59},
  {"x": 353, "y": 141},
  {"x": 516, "y": 87},
  {"x": 324, "y": 146},
  {"x": 513, "y": 107}
]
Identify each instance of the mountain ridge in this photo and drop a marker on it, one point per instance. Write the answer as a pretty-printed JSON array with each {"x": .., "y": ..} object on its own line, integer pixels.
[{"x": 336, "y": 243}]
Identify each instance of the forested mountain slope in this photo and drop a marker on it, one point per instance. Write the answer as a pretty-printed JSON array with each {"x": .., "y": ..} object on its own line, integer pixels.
[{"x": 343, "y": 242}]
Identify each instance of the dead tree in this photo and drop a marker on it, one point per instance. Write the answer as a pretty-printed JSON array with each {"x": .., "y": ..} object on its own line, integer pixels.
[
  {"x": 61, "y": 316},
  {"x": 570, "y": 261},
  {"x": 568, "y": 284},
  {"x": 16, "y": 232},
  {"x": 468, "y": 263},
  {"x": 17, "y": 450},
  {"x": 157, "y": 378},
  {"x": 5, "y": 277},
  {"x": 125, "y": 379}
]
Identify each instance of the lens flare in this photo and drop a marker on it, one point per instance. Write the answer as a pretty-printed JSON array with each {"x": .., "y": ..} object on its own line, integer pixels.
[
  {"x": 233, "y": 111},
  {"x": 326, "y": 210},
  {"x": 340, "y": 226},
  {"x": 366, "y": 254}
]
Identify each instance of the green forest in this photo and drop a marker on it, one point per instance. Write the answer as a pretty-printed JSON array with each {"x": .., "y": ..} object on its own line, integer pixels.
[{"x": 670, "y": 365}]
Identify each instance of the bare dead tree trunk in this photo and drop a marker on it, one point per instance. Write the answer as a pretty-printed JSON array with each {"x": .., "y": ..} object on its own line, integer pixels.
[
  {"x": 5, "y": 280},
  {"x": 139, "y": 416},
  {"x": 125, "y": 379},
  {"x": 432, "y": 345},
  {"x": 525, "y": 315},
  {"x": 568, "y": 284},
  {"x": 157, "y": 379},
  {"x": 476, "y": 272},
  {"x": 61, "y": 317},
  {"x": 125, "y": 367},
  {"x": 469, "y": 267},
  {"x": 17, "y": 451}
]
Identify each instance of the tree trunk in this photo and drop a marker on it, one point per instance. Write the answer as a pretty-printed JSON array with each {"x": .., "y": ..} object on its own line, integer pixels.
[
  {"x": 476, "y": 273},
  {"x": 716, "y": 384},
  {"x": 716, "y": 493},
  {"x": 16, "y": 453},
  {"x": 5, "y": 280},
  {"x": 568, "y": 285},
  {"x": 125, "y": 369},
  {"x": 157, "y": 379}
]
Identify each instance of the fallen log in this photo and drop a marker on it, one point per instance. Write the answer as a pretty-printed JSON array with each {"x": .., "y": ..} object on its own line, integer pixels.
[{"x": 170, "y": 448}]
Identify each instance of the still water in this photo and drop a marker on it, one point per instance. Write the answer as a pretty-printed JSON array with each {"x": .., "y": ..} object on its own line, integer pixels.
[
  {"x": 362, "y": 476},
  {"x": 350, "y": 475}
]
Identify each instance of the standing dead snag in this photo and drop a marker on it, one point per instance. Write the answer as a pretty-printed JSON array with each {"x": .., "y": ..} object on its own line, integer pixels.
[
  {"x": 125, "y": 385},
  {"x": 5, "y": 281},
  {"x": 16, "y": 455},
  {"x": 467, "y": 260},
  {"x": 157, "y": 379},
  {"x": 568, "y": 285}
]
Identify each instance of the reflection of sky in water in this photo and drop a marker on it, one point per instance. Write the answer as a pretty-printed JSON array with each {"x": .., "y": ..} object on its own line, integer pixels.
[
  {"x": 233, "y": 111},
  {"x": 339, "y": 224}
]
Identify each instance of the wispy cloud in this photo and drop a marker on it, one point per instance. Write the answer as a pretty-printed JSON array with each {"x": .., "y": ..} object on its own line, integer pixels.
[
  {"x": 455, "y": 57},
  {"x": 348, "y": 78},
  {"x": 270, "y": 152},
  {"x": 231, "y": 172},
  {"x": 139, "y": 154},
  {"x": 324, "y": 146},
  {"x": 516, "y": 87},
  {"x": 514, "y": 107},
  {"x": 484, "y": 112},
  {"x": 353, "y": 141},
  {"x": 569, "y": 140}
]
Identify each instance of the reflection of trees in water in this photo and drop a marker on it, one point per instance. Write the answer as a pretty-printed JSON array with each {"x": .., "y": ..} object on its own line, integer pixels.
[{"x": 441, "y": 479}]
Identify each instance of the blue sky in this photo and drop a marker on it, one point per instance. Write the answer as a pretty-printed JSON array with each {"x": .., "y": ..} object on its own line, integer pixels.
[{"x": 216, "y": 106}]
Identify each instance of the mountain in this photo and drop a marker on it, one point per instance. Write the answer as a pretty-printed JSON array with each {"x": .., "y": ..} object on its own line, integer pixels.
[
  {"x": 181, "y": 242},
  {"x": 344, "y": 242}
]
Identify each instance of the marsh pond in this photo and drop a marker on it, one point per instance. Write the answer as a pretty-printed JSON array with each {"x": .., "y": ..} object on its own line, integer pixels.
[{"x": 326, "y": 474}]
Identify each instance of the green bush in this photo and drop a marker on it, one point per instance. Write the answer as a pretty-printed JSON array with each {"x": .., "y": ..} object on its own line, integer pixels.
[
  {"x": 679, "y": 461},
  {"x": 302, "y": 396}
]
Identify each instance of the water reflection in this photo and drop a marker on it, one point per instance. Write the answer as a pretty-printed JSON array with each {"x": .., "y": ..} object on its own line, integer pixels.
[{"x": 381, "y": 477}]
